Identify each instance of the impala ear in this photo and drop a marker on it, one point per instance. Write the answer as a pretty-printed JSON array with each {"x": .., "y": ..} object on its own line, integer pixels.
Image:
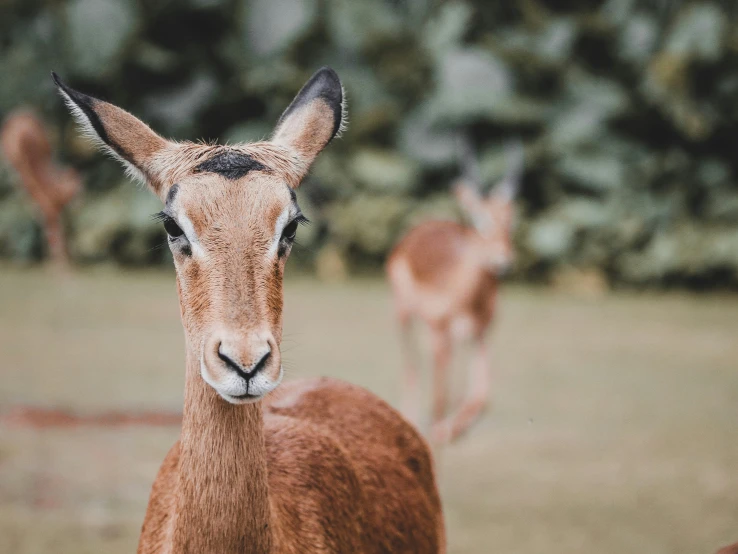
[
  {"x": 467, "y": 196},
  {"x": 119, "y": 134},
  {"x": 508, "y": 188},
  {"x": 315, "y": 116}
]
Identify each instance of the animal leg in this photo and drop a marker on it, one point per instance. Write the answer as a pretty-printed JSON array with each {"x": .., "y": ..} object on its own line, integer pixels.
[
  {"x": 54, "y": 231},
  {"x": 441, "y": 345},
  {"x": 475, "y": 401}
]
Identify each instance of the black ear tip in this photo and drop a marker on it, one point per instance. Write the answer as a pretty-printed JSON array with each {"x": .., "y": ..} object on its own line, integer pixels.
[
  {"x": 326, "y": 84},
  {"x": 326, "y": 76},
  {"x": 328, "y": 72},
  {"x": 59, "y": 83}
]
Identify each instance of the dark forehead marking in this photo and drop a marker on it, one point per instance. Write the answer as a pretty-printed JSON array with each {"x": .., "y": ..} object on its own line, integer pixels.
[
  {"x": 171, "y": 194},
  {"x": 231, "y": 165}
]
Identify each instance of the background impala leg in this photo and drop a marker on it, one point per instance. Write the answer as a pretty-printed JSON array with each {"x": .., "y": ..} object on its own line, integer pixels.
[
  {"x": 441, "y": 346},
  {"x": 54, "y": 231},
  {"x": 476, "y": 398}
]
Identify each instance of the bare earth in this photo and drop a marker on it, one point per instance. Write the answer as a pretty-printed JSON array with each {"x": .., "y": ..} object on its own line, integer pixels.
[{"x": 614, "y": 427}]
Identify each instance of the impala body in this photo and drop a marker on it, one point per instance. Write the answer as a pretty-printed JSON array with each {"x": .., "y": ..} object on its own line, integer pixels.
[
  {"x": 307, "y": 466},
  {"x": 445, "y": 274},
  {"x": 25, "y": 144}
]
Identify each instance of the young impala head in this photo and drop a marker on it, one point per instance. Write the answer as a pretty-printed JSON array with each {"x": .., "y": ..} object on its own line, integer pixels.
[
  {"x": 493, "y": 214},
  {"x": 231, "y": 215}
]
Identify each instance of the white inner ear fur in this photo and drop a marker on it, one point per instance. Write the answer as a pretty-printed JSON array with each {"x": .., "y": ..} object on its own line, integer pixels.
[
  {"x": 88, "y": 131},
  {"x": 300, "y": 122},
  {"x": 279, "y": 226}
]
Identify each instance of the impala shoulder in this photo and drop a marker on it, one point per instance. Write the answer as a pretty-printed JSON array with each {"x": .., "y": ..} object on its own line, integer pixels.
[{"x": 320, "y": 398}]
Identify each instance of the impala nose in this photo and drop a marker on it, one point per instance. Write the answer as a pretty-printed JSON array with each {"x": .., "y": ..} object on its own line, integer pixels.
[
  {"x": 246, "y": 360},
  {"x": 245, "y": 372}
]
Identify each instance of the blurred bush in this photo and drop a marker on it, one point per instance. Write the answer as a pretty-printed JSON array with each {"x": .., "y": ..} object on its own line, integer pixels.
[{"x": 627, "y": 110}]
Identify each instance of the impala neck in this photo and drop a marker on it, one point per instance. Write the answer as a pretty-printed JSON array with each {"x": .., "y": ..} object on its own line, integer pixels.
[{"x": 222, "y": 503}]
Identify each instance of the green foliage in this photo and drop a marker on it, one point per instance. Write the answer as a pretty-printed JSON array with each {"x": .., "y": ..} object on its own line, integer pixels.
[{"x": 627, "y": 111}]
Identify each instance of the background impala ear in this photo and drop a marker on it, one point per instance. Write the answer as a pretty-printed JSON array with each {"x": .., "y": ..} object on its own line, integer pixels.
[
  {"x": 315, "y": 116},
  {"x": 118, "y": 133},
  {"x": 508, "y": 188},
  {"x": 467, "y": 196}
]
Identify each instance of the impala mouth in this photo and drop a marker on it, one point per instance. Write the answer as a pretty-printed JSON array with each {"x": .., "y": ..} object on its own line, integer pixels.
[
  {"x": 256, "y": 389},
  {"x": 245, "y": 396},
  {"x": 241, "y": 399}
]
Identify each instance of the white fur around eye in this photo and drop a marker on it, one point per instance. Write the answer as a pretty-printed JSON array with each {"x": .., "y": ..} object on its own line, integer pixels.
[
  {"x": 189, "y": 230},
  {"x": 279, "y": 226}
]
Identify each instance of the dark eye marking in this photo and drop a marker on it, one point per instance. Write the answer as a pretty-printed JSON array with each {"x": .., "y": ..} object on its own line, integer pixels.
[
  {"x": 170, "y": 226},
  {"x": 171, "y": 194},
  {"x": 172, "y": 229},
  {"x": 290, "y": 230},
  {"x": 231, "y": 165}
]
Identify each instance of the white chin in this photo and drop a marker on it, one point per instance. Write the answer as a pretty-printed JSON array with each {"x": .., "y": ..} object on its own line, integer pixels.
[
  {"x": 236, "y": 390},
  {"x": 239, "y": 399}
]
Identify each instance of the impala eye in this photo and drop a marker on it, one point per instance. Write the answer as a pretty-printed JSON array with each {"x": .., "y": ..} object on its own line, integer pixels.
[
  {"x": 172, "y": 229},
  {"x": 290, "y": 231},
  {"x": 170, "y": 226}
]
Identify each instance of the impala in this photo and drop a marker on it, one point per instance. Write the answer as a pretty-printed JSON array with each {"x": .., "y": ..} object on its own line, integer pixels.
[
  {"x": 445, "y": 274},
  {"x": 315, "y": 466},
  {"x": 25, "y": 143}
]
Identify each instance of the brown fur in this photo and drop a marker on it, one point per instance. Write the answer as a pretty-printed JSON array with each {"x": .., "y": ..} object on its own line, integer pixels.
[
  {"x": 339, "y": 479},
  {"x": 317, "y": 466},
  {"x": 25, "y": 144},
  {"x": 445, "y": 274}
]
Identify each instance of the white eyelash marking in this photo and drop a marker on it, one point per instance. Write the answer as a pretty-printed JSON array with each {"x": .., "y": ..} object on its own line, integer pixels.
[
  {"x": 189, "y": 231},
  {"x": 278, "y": 229}
]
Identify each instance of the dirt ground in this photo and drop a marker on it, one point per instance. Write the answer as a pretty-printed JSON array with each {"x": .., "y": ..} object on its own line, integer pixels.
[{"x": 614, "y": 426}]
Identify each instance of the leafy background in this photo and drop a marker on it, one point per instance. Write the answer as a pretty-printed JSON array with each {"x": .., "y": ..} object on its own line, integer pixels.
[{"x": 627, "y": 110}]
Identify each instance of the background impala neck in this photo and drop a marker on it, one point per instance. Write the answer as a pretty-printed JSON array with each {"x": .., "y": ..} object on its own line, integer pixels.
[{"x": 223, "y": 496}]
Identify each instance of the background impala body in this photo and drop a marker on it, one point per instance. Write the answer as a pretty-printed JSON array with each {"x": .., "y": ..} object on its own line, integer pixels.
[
  {"x": 318, "y": 466},
  {"x": 445, "y": 274},
  {"x": 25, "y": 144}
]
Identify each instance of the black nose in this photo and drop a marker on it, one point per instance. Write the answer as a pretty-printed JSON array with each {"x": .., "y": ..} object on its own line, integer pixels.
[{"x": 246, "y": 373}]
